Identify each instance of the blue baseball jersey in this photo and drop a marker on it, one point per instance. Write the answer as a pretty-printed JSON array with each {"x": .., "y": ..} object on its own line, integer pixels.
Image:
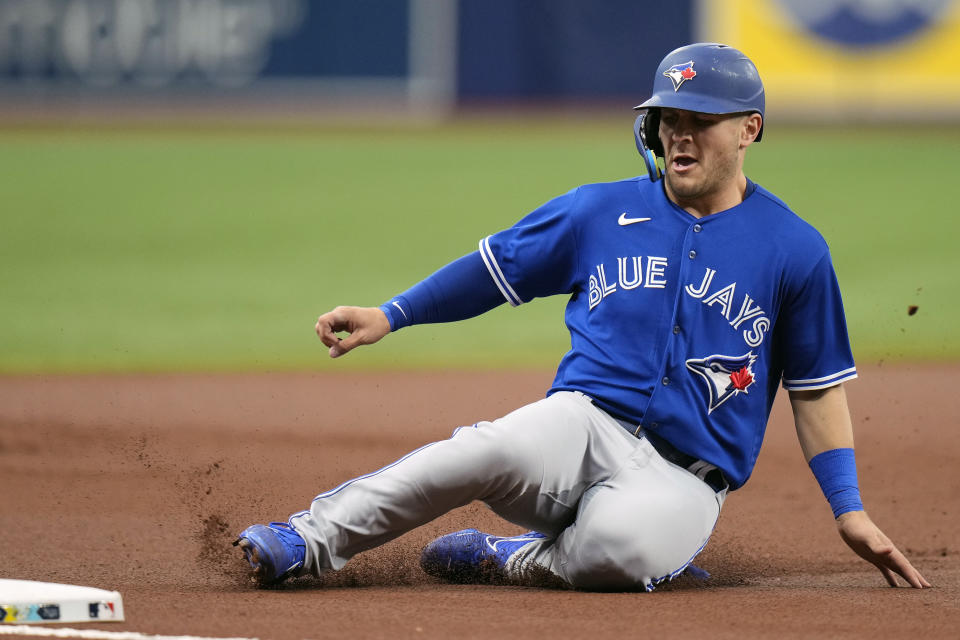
[{"x": 685, "y": 326}]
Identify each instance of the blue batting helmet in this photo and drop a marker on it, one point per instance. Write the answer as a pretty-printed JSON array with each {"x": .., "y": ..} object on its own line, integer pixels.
[{"x": 704, "y": 77}]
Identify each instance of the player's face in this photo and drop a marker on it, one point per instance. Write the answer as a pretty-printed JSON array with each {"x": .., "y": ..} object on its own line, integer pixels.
[{"x": 703, "y": 154}]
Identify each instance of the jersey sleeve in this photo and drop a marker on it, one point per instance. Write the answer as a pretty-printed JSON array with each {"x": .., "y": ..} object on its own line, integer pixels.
[
  {"x": 817, "y": 351},
  {"x": 536, "y": 257}
]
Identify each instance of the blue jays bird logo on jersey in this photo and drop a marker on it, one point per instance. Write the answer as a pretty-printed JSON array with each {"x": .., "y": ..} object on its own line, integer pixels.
[
  {"x": 726, "y": 376},
  {"x": 680, "y": 73}
]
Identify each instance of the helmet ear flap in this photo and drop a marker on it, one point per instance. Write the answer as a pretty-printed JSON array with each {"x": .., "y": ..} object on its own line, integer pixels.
[
  {"x": 646, "y": 133},
  {"x": 651, "y": 132}
]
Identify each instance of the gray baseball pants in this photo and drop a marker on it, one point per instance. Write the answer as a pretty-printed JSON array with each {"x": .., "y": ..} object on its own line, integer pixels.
[{"x": 615, "y": 513}]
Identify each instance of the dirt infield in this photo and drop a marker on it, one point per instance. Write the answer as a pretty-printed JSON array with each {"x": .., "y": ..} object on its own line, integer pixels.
[{"x": 140, "y": 483}]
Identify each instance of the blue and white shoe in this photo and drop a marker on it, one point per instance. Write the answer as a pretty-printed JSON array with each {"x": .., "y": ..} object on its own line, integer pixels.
[
  {"x": 471, "y": 556},
  {"x": 275, "y": 551}
]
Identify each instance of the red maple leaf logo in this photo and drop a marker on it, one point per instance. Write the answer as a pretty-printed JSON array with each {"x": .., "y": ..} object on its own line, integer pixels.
[
  {"x": 688, "y": 73},
  {"x": 741, "y": 379}
]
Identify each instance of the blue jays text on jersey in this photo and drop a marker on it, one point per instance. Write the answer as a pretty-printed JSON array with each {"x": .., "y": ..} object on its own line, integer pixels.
[{"x": 685, "y": 326}]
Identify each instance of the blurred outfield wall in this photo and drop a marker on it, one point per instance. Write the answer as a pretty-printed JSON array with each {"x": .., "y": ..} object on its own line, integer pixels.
[{"x": 847, "y": 59}]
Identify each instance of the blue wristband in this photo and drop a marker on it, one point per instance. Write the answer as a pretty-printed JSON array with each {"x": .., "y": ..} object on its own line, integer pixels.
[{"x": 836, "y": 471}]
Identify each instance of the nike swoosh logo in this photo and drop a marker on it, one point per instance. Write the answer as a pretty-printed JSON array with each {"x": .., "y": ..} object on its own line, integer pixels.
[
  {"x": 624, "y": 220},
  {"x": 493, "y": 545}
]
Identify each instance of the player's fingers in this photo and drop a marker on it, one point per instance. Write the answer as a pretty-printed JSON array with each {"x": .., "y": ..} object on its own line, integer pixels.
[
  {"x": 326, "y": 335},
  {"x": 347, "y": 344},
  {"x": 365, "y": 325},
  {"x": 889, "y": 575},
  {"x": 897, "y": 562},
  {"x": 911, "y": 575},
  {"x": 340, "y": 348},
  {"x": 915, "y": 580},
  {"x": 328, "y": 324}
]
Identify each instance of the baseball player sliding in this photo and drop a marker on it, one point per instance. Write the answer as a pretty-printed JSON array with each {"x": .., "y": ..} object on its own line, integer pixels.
[{"x": 694, "y": 294}]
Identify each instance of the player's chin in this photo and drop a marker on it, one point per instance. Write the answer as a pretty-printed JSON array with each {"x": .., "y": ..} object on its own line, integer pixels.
[{"x": 684, "y": 186}]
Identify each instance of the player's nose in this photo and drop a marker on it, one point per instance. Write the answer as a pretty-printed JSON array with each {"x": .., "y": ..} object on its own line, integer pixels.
[{"x": 681, "y": 133}]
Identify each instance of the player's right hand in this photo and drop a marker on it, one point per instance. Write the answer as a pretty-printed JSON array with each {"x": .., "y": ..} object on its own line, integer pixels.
[{"x": 365, "y": 325}]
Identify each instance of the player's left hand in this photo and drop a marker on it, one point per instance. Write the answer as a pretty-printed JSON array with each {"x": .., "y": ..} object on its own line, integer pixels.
[{"x": 871, "y": 544}]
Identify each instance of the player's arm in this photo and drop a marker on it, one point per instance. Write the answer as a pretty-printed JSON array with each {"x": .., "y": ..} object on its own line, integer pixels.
[
  {"x": 536, "y": 257},
  {"x": 826, "y": 436},
  {"x": 460, "y": 290}
]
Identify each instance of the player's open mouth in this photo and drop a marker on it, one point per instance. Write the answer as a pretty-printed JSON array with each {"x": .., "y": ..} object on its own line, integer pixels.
[{"x": 682, "y": 162}]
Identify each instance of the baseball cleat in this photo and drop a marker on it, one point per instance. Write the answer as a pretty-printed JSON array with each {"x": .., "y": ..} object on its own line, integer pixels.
[
  {"x": 275, "y": 551},
  {"x": 471, "y": 556}
]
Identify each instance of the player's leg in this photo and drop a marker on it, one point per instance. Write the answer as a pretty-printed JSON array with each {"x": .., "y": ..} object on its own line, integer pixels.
[
  {"x": 642, "y": 526},
  {"x": 500, "y": 462},
  {"x": 612, "y": 511},
  {"x": 579, "y": 445}
]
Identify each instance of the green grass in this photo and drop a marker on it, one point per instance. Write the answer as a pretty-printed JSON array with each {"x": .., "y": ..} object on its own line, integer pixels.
[{"x": 215, "y": 250}]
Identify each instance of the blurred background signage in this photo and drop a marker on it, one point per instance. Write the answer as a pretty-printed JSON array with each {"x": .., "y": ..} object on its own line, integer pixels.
[
  {"x": 145, "y": 42},
  {"x": 850, "y": 59},
  {"x": 819, "y": 58}
]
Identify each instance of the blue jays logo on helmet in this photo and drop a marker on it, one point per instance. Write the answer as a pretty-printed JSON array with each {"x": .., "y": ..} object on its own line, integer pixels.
[
  {"x": 725, "y": 376},
  {"x": 680, "y": 73}
]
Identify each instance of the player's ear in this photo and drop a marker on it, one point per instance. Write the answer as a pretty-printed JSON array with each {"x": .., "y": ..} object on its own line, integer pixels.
[{"x": 750, "y": 129}]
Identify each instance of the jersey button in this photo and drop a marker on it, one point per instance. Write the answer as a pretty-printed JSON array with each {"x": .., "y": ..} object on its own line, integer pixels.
[
  {"x": 676, "y": 328},
  {"x": 665, "y": 380},
  {"x": 654, "y": 425},
  {"x": 693, "y": 254},
  {"x": 697, "y": 228}
]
